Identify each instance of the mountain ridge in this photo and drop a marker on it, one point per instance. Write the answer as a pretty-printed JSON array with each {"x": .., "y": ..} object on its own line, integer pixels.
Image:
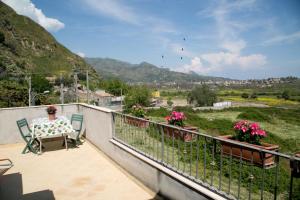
[
  {"x": 26, "y": 47},
  {"x": 143, "y": 72}
]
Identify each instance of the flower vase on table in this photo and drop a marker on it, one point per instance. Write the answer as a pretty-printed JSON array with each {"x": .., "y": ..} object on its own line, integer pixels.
[{"x": 51, "y": 110}]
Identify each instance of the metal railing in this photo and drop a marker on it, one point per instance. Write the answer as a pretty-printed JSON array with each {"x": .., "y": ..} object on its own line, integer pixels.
[{"x": 216, "y": 163}]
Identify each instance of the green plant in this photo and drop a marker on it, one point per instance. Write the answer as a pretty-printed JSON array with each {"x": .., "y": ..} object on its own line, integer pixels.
[
  {"x": 169, "y": 102},
  {"x": 286, "y": 95},
  {"x": 245, "y": 95},
  {"x": 202, "y": 96},
  {"x": 138, "y": 111},
  {"x": 137, "y": 95}
]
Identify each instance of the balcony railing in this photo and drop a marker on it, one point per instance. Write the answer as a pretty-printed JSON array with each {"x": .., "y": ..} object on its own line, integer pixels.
[{"x": 210, "y": 161}]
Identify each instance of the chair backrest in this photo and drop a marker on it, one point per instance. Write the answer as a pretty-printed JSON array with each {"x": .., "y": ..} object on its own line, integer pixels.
[
  {"x": 79, "y": 119},
  {"x": 23, "y": 126}
]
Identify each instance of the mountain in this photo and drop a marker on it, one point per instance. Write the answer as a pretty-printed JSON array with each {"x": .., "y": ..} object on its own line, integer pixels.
[
  {"x": 26, "y": 47},
  {"x": 143, "y": 72}
]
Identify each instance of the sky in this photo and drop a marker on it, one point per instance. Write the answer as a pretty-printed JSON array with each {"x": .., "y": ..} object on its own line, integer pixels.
[{"x": 245, "y": 39}]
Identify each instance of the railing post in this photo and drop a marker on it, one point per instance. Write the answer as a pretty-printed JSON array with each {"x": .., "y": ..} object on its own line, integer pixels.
[{"x": 162, "y": 142}]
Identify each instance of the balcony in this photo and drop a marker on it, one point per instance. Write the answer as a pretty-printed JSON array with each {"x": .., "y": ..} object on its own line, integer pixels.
[{"x": 121, "y": 159}]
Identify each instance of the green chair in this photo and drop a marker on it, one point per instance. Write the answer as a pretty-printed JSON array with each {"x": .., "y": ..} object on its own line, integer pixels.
[
  {"x": 26, "y": 135},
  {"x": 76, "y": 121}
]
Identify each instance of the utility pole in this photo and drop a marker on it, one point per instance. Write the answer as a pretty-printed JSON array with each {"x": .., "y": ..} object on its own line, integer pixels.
[
  {"x": 87, "y": 87},
  {"x": 75, "y": 85},
  {"x": 29, "y": 90},
  {"x": 61, "y": 90}
]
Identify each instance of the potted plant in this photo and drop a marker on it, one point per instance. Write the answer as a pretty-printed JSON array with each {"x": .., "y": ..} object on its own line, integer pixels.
[
  {"x": 177, "y": 119},
  {"x": 251, "y": 134},
  {"x": 138, "y": 112},
  {"x": 51, "y": 110}
]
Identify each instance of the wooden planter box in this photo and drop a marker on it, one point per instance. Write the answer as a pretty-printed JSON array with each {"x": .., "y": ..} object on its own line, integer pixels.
[
  {"x": 259, "y": 158},
  {"x": 182, "y": 135},
  {"x": 136, "y": 122}
]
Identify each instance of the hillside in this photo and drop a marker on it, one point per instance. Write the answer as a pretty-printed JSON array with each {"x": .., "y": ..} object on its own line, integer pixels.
[
  {"x": 26, "y": 47},
  {"x": 143, "y": 72}
]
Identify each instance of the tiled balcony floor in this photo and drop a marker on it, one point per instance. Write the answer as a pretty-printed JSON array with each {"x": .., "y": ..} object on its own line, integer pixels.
[{"x": 79, "y": 173}]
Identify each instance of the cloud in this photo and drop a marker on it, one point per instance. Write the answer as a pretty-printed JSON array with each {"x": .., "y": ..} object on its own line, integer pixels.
[
  {"x": 119, "y": 11},
  {"x": 115, "y": 9},
  {"x": 279, "y": 39},
  {"x": 82, "y": 55},
  {"x": 221, "y": 61},
  {"x": 27, "y": 8}
]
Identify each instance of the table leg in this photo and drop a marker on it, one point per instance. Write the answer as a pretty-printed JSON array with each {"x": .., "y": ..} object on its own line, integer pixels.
[
  {"x": 40, "y": 140},
  {"x": 66, "y": 142}
]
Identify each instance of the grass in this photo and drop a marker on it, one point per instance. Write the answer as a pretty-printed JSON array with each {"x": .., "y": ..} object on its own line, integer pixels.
[
  {"x": 194, "y": 159},
  {"x": 267, "y": 100}
]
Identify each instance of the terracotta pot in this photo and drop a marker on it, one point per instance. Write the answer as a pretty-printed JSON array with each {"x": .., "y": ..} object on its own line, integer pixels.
[
  {"x": 136, "y": 122},
  {"x": 51, "y": 117},
  {"x": 259, "y": 158},
  {"x": 182, "y": 135}
]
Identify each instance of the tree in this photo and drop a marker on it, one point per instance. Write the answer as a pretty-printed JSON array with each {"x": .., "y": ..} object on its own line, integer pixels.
[
  {"x": 202, "y": 96},
  {"x": 137, "y": 95},
  {"x": 169, "y": 101},
  {"x": 40, "y": 84},
  {"x": 285, "y": 94},
  {"x": 2, "y": 37},
  {"x": 13, "y": 94},
  {"x": 115, "y": 87},
  {"x": 253, "y": 95},
  {"x": 245, "y": 95}
]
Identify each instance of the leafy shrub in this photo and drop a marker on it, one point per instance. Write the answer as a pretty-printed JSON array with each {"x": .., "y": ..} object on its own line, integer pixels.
[
  {"x": 169, "y": 102},
  {"x": 286, "y": 95},
  {"x": 253, "y": 95},
  {"x": 245, "y": 95},
  {"x": 202, "y": 96},
  {"x": 2, "y": 37},
  {"x": 137, "y": 95}
]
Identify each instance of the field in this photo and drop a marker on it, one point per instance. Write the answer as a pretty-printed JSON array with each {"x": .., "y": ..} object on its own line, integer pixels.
[{"x": 282, "y": 125}]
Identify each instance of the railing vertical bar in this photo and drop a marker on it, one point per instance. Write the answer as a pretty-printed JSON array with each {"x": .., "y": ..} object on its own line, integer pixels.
[
  {"x": 276, "y": 176},
  {"x": 262, "y": 181},
  {"x": 173, "y": 149},
  {"x": 205, "y": 160},
  {"x": 162, "y": 143},
  {"x": 153, "y": 139},
  {"x": 191, "y": 156},
  {"x": 251, "y": 177},
  {"x": 166, "y": 146},
  {"x": 230, "y": 170},
  {"x": 157, "y": 143},
  {"x": 184, "y": 154},
  {"x": 240, "y": 175},
  {"x": 197, "y": 162},
  {"x": 221, "y": 166},
  {"x": 212, "y": 164},
  {"x": 178, "y": 153}
]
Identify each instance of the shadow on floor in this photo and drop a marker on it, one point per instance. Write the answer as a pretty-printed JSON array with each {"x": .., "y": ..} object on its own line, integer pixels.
[
  {"x": 11, "y": 188},
  {"x": 56, "y": 144}
]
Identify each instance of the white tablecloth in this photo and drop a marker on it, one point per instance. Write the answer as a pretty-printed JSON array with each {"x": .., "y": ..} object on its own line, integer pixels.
[{"x": 44, "y": 128}]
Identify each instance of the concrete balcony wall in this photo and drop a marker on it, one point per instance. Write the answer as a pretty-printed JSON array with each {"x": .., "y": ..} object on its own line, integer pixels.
[
  {"x": 9, "y": 132},
  {"x": 99, "y": 129}
]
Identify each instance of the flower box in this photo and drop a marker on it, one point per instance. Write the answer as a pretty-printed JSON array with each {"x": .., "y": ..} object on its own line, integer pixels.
[
  {"x": 182, "y": 135},
  {"x": 136, "y": 122},
  {"x": 259, "y": 158}
]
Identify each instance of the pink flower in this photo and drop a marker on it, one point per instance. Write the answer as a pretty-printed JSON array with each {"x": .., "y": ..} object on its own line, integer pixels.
[{"x": 254, "y": 126}]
